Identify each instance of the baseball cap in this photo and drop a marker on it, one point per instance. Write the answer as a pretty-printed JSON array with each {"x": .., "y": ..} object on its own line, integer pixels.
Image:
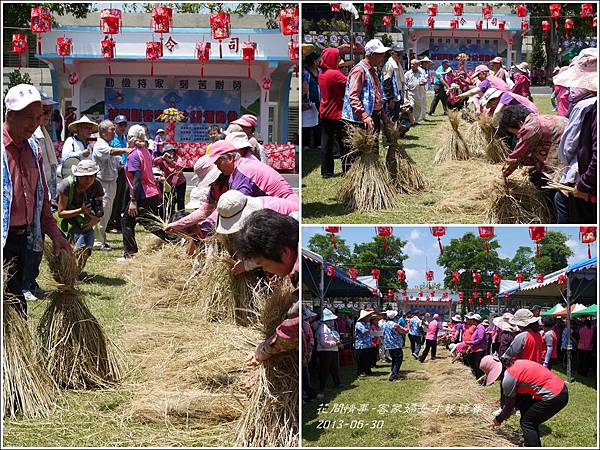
[
  {"x": 169, "y": 148},
  {"x": 46, "y": 100},
  {"x": 220, "y": 148},
  {"x": 21, "y": 96},
  {"x": 446, "y": 62},
  {"x": 397, "y": 48},
  {"x": 120, "y": 119},
  {"x": 375, "y": 46}
]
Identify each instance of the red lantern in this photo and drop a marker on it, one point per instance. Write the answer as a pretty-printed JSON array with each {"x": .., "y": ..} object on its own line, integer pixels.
[
  {"x": 108, "y": 50},
  {"x": 519, "y": 277},
  {"x": 353, "y": 273},
  {"x": 480, "y": 301},
  {"x": 587, "y": 10},
  {"x": 540, "y": 278},
  {"x": 401, "y": 275},
  {"x": 41, "y": 22},
  {"x": 420, "y": 293},
  {"x": 455, "y": 278},
  {"x": 335, "y": 7},
  {"x": 588, "y": 236},
  {"x": 162, "y": 17},
  {"x": 438, "y": 232},
  {"x": 19, "y": 45},
  {"x": 366, "y": 20},
  {"x": 445, "y": 294},
  {"x": 333, "y": 231},
  {"x": 562, "y": 280},
  {"x": 289, "y": 20},
  {"x": 502, "y": 25},
  {"x": 248, "y": 52},
  {"x": 429, "y": 275},
  {"x": 110, "y": 21},
  {"x": 431, "y": 25},
  {"x": 453, "y": 25},
  {"x": 432, "y": 10},
  {"x": 266, "y": 85},
  {"x": 479, "y": 27},
  {"x": 153, "y": 53},
  {"x": 202, "y": 54},
  {"x": 475, "y": 294},
  {"x": 524, "y": 25},
  {"x": 409, "y": 21},
  {"x": 369, "y": 8},
  {"x": 390, "y": 292},
  {"x": 497, "y": 279},
  {"x": 476, "y": 278},
  {"x": 458, "y": 9},
  {"x": 397, "y": 9},
  {"x": 330, "y": 271},
  {"x": 375, "y": 273},
  {"x": 73, "y": 80},
  {"x": 374, "y": 292},
  {"x": 461, "y": 295},
  {"x": 488, "y": 295},
  {"x": 387, "y": 22},
  {"x": 220, "y": 28},
  {"x": 486, "y": 233},
  {"x": 521, "y": 10},
  {"x": 432, "y": 293},
  {"x": 64, "y": 47},
  {"x": 569, "y": 25},
  {"x": 537, "y": 234},
  {"x": 486, "y": 11},
  {"x": 384, "y": 233},
  {"x": 545, "y": 26},
  {"x": 293, "y": 50},
  {"x": 555, "y": 10},
  {"x": 404, "y": 292}
]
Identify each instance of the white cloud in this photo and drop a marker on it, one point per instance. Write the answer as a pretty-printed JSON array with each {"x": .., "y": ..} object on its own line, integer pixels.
[
  {"x": 412, "y": 250},
  {"x": 411, "y": 274},
  {"x": 579, "y": 250},
  {"x": 415, "y": 234}
]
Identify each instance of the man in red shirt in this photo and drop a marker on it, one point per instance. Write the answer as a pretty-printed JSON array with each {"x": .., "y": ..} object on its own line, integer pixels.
[{"x": 25, "y": 200}]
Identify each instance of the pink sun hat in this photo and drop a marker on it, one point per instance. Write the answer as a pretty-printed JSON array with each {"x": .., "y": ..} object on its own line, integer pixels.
[
  {"x": 492, "y": 367},
  {"x": 497, "y": 59},
  {"x": 582, "y": 73},
  {"x": 479, "y": 69},
  {"x": 220, "y": 148},
  {"x": 245, "y": 121}
]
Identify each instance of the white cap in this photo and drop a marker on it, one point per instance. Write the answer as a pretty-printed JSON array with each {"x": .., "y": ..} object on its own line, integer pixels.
[
  {"x": 239, "y": 139},
  {"x": 234, "y": 208},
  {"x": 391, "y": 314},
  {"x": 21, "y": 96},
  {"x": 375, "y": 46},
  {"x": 160, "y": 130},
  {"x": 198, "y": 196}
]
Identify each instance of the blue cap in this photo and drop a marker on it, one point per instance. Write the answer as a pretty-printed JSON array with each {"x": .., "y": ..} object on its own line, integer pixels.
[
  {"x": 120, "y": 119},
  {"x": 169, "y": 148},
  {"x": 446, "y": 62},
  {"x": 46, "y": 100}
]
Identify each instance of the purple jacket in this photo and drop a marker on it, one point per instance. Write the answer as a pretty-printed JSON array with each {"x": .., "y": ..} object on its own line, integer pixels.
[
  {"x": 478, "y": 340},
  {"x": 588, "y": 146},
  {"x": 256, "y": 179},
  {"x": 505, "y": 339}
]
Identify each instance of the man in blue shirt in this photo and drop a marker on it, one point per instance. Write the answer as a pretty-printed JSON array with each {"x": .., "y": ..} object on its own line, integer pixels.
[
  {"x": 119, "y": 141},
  {"x": 440, "y": 86},
  {"x": 393, "y": 341},
  {"x": 415, "y": 333}
]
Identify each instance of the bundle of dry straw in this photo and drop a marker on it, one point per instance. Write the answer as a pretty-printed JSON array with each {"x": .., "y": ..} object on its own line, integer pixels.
[
  {"x": 483, "y": 140},
  {"x": 452, "y": 146},
  {"x": 77, "y": 352},
  {"x": 367, "y": 185},
  {"x": 271, "y": 419},
  {"x": 403, "y": 170},
  {"x": 27, "y": 388}
]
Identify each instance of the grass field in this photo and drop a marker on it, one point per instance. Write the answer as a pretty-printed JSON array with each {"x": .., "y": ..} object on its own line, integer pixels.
[
  {"x": 101, "y": 418},
  {"x": 408, "y": 412},
  {"x": 319, "y": 204}
]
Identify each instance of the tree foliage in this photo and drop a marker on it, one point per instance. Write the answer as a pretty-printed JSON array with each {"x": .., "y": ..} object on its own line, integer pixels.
[
  {"x": 322, "y": 245},
  {"x": 19, "y": 14},
  {"x": 373, "y": 254},
  {"x": 523, "y": 262},
  {"x": 554, "y": 253}
]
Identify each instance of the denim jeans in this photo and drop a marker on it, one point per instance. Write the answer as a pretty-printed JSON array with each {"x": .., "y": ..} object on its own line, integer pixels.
[{"x": 83, "y": 238}]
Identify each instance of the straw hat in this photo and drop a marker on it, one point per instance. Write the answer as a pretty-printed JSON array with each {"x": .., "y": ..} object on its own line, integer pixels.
[
  {"x": 83, "y": 121},
  {"x": 307, "y": 49},
  {"x": 492, "y": 367},
  {"x": 198, "y": 196},
  {"x": 364, "y": 314},
  {"x": 425, "y": 59},
  {"x": 522, "y": 318},
  {"x": 582, "y": 73},
  {"x": 523, "y": 67},
  {"x": 327, "y": 315},
  {"x": 84, "y": 168},
  {"x": 234, "y": 209}
]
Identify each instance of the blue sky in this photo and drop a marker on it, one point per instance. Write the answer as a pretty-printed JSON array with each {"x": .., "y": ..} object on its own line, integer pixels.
[{"x": 422, "y": 248}]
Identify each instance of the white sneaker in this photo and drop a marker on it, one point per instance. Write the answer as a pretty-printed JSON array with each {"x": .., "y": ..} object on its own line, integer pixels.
[
  {"x": 122, "y": 259},
  {"x": 29, "y": 296}
]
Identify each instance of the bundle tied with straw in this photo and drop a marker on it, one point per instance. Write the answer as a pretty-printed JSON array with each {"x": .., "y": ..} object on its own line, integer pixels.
[
  {"x": 495, "y": 149},
  {"x": 453, "y": 146},
  {"x": 367, "y": 185},
  {"x": 403, "y": 170},
  {"x": 78, "y": 354},
  {"x": 27, "y": 388},
  {"x": 271, "y": 419}
]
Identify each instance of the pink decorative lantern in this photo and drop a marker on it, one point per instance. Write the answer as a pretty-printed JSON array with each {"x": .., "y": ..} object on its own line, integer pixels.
[
  {"x": 202, "y": 54},
  {"x": 248, "y": 53},
  {"x": 41, "y": 22},
  {"x": 110, "y": 21},
  {"x": 64, "y": 47},
  {"x": 108, "y": 51},
  {"x": 220, "y": 28},
  {"x": 153, "y": 53}
]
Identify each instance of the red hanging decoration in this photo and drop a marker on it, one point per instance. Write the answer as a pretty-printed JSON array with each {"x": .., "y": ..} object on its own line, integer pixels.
[
  {"x": 432, "y": 293},
  {"x": 409, "y": 21},
  {"x": 289, "y": 21},
  {"x": 488, "y": 295},
  {"x": 293, "y": 50},
  {"x": 64, "y": 47},
  {"x": 248, "y": 53},
  {"x": 461, "y": 295},
  {"x": 110, "y": 21},
  {"x": 375, "y": 273},
  {"x": 384, "y": 233},
  {"x": 353, "y": 273},
  {"x": 432, "y": 10},
  {"x": 480, "y": 301},
  {"x": 502, "y": 26},
  {"x": 335, "y": 7},
  {"x": 569, "y": 25},
  {"x": 420, "y": 293},
  {"x": 431, "y": 25},
  {"x": 333, "y": 231},
  {"x": 497, "y": 278},
  {"x": 41, "y": 22},
  {"x": 73, "y": 80},
  {"x": 537, "y": 234},
  {"x": 458, "y": 9},
  {"x": 453, "y": 25},
  {"x": 562, "y": 280},
  {"x": 369, "y": 8},
  {"x": 521, "y": 9},
  {"x": 588, "y": 236},
  {"x": 390, "y": 292},
  {"x": 540, "y": 278},
  {"x": 524, "y": 25},
  {"x": 438, "y": 232},
  {"x": 401, "y": 275},
  {"x": 486, "y": 12},
  {"x": 455, "y": 278},
  {"x": 267, "y": 82},
  {"x": 395, "y": 297},
  {"x": 479, "y": 27},
  {"x": 153, "y": 53},
  {"x": 108, "y": 50},
  {"x": 162, "y": 19},
  {"x": 555, "y": 10},
  {"x": 220, "y": 28},
  {"x": 475, "y": 294},
  {"x": 476, "y": 278},
  {"x": 587, "y": 10},
  {"x": 366, "y": 20},
  {"x": 330, "y": 271},
  {"x": 486, "y": 233},
  {"x": 202, "y": 54},
  {"x": 387, "y": 22},
  {"x": 19, "y": 45},
  {"x": 397, "y": 9},
  {"x": 404, "y": 293},
  {"x": 429, "y": 275},
  {"x": 374, "y": 292},
  {"x": 519, "y": 277}
]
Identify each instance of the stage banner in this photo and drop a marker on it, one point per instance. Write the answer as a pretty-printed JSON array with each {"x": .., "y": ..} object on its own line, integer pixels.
[{"x": 479, "y": 53}]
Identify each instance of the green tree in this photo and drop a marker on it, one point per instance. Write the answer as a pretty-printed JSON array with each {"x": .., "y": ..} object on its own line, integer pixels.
[
  {"x": 339, "y": 256},
  {"x": 19, "y": 14},
  {"x": 554, "y": 253},
  {"x": 522, "y": 262},
  {"x": 538, "y": 54},
  {"x": 374, "y": 254},
  {"x": 14, "y": 78}
]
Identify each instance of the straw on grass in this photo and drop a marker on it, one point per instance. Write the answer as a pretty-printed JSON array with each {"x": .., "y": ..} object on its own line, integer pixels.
[
  {"x": 452, "y": 143},
  {"x": 495, "y": 149},
  {"x": 403, "y": 170},
  {"x": 271, "y": 419},
  {"x": 367, "y": 185}
]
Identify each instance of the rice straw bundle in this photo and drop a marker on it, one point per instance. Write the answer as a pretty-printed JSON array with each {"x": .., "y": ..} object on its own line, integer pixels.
[
  {"x": 475, "y": 139},
  {"x": 495, "y": 149},
  {"x": 468, "y": 115},
  {"x": 77, "y": 352},
  {"x": 520, "y": 201},
  {"x": 27, "y": 388},
  {"x": 403, "y": 170},
  {"x": 367, "y": 185},
  {"x": 271, "y": 419},
  {"x": 452, "y": 147}
]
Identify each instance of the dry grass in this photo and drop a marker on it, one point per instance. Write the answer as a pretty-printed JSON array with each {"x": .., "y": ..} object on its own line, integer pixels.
[
  {"x": 403, "y": 170},
  {"x": 367, "y": 185},
  {"x": 495, "y": 150},
  {"x": 271, "y": 419},
  {"x": 452, "y": 143}
]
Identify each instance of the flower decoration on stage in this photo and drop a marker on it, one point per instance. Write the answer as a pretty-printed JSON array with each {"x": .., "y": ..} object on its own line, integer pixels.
[
  {"x": 569, "y": 25},
  {"x": 220, "y": 28},
  {"x": 64, "y": 47},
  {"x": 353, "y": 273},
  {"x": 153, "y": 53},
  {"x": 497, "y": 278},
  {"x": 432, "y": 10},
  {"x": 537, "y": 234},
  {"x": 401, "y": 275},
  {"x": 41, "y": 22},
  {"x": 366, "y": 20},
  {"x": 202, "y": 54},
  {"x": 384, "y": 233},
  {"x": 462, "y": 58},
  {"x": 289, "y": 21},
  {"x": 438, "y": 232},
  {"x": 330, "y": 271},
  {"x": 335, "y": 7},
  {"x": 19, "y": 45},
  {"x": 397, "y": 9},
  {"x": 375, "y": 273},
  {"x": 562, "y": 280},
  {"x": 267, "y": 82},
  {"x": 540, "y": 278},
  {"x": 73, "y": 80},
  {"x": 520, "y": 278},
  {"x": 369, "y": 8},
  {"x": 387, "y": 22},
  {"x": 171, "y": 116},
  {"x": 108, "y": 49},
  {"x": 588, "y": 236},
  {"x": 110, "y": 21},
  {"x": 486, "y": 233},
  {"x": 458, "y": 9},
  {"x": 409, "y": 21},
  {"x": 333, "y": 231}
]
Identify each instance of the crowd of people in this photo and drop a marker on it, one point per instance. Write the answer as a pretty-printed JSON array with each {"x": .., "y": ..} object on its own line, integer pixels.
[
  {"x": 492, "y": 348},
  {"x": 378, "y": 88}
]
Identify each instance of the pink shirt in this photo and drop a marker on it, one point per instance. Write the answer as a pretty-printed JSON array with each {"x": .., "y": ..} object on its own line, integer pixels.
[
  {"x": 432, "y": 330},
  {"x": 141, "y": 160},
  {"x": 586, "y": 337},
  {"x": 562, "y": 100}
]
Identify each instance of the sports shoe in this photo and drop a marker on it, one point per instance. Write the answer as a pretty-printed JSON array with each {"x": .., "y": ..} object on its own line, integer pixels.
[
  {"x": 105, "y": 247},
  {"x": 29, "y": 296},
  {"x": 122, "y": 259}
]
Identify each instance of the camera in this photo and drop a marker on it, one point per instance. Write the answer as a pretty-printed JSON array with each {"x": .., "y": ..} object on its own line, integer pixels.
[{"x": 96, "y": 205}]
